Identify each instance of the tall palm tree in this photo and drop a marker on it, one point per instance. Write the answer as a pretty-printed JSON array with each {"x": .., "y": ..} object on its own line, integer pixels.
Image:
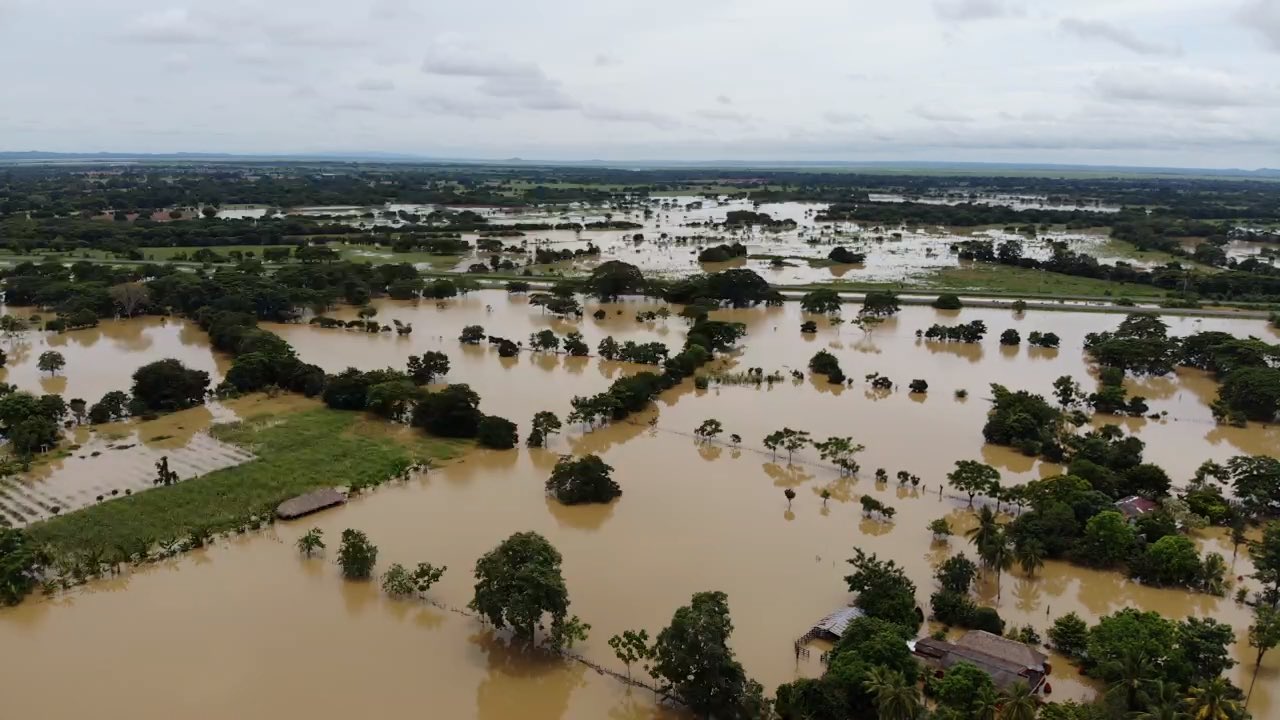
[
  {"x": 894, "y": 698},
  {"x": 986, "y": 704},
  {"x": 986, "y": 529},
  {"x": 1130, "y": 678},
  {"x": 997, "y": 554},
  {"x": 1030, "y": 555},
  {"x": 1211, "y": 700},
  {"x": 1020, "y": 703},
  {"x": 1165, "y": 703}
]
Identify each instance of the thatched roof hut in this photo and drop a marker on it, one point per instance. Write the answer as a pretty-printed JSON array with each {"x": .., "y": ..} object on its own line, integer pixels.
[{"x": 313, "y": 501}]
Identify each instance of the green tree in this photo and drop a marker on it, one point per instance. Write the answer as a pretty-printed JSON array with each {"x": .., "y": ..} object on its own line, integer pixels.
[
  {"x": 1266, "y": 557},
  {"x": 497, "y": 433},
  {"x": 956, "y": 574},
  {"x": 973, "y": 478},
  {"x": 821, "y": 302},
  {"x": 985, "y": 532},
  {"x": 631, "y": 647},
  {"x": 1029, "y": 553},
  {"x": 880, "y": 304},
  {"x": 693, "y": 659},
  {"x": 586, "y": 479},
  {"x": 965, "y": 689},
  {"x": 614, "y": 278},
  {"x": 1108, "y": 540},
  {"x": 1256, "y": 481},
  {"x": 894, "y": 698},
  {"x": 424, "y": 369},
  {"x": 471, "y": 335},
  {"x": 20, "y": 565},
  {"x": 451, "y": 412},
  {"x": 709, "y": 429},
  {"x": 1070, "y": 635},
  {"x": 1213, "y": 700},
  {"x": 357, "y": 555},
  {"x": 1264, "y": 635},
  {"x": 940, "y": 528},
  {"x": 544, "y": 423},
  {"x": 841, "y": 451},
  {"x": 311, "y": 542},
  {"x": 519, "y": 582},
  {"x": 51, "y": 361},
  {"x": 168, "y": 385},
  {"x": 884, "y": 590},
  {"x": 1019, "y": 703}
]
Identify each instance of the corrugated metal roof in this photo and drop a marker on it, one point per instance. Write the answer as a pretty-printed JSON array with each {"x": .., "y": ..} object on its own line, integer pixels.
[{"x": 837, "y": 622}]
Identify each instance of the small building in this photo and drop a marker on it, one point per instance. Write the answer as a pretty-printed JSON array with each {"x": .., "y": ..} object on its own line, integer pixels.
[
  {"x": 1135, "y": 506},
  {"x": 1008, "y": 662},
  {"x": 313, "y": 501},
  {"x": 832, "y": 626}
]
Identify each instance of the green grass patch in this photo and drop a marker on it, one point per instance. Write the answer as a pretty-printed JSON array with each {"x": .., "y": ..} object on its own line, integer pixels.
[
  {"x": 1007, "y": 279},
  {"x": 296, "y": 453}
]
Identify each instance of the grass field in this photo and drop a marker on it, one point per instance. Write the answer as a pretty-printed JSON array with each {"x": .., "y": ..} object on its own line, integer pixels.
[
  {"x": 1014, "y": 280},
  {"x": 296, "y": 452}
]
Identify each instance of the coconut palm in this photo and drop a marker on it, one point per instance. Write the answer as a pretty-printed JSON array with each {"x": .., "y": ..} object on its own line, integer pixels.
[
  {"x": 894, "y": 698},
  {"x": 1020, "y": 703},
  {"x": 986, "y": 705},
  {"x": 1212, "y": 700},
  {"x": 986, "y": 529},
  {"x": 1030, "y": 556},
  {"x": 1165, "y": 703},
  {"x": 1130, "y": 678},
  {"x": 997, "y": 554}
]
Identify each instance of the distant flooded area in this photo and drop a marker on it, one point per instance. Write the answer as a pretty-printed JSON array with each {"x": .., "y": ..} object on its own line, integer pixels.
[{"x": 247, "y": 628}]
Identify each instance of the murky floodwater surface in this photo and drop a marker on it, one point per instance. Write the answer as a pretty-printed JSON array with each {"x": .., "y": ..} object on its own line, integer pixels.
[{"x": 249, "y": 629}]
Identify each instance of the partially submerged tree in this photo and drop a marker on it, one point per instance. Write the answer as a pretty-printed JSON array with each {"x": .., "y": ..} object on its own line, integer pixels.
[
  {"x": 693, "y": 660},
  {"x": 311, "y": 542},
  {"x": 357, "y": 555},
  {"x": 519, "y": 583},
  {"x": 586, "y": 479}
]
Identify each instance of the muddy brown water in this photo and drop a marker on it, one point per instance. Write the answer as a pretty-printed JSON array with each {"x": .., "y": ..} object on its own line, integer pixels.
[{"x": 249, "y": 629}]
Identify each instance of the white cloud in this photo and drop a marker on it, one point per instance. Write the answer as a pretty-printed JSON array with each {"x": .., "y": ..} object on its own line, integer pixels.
[
  {"x": 375, "y": 85},
  {"x": 968, "y": 10},
  {"x": 174, "y": 25},
  {"x": 837, "y": 117},
  {"x": 622, "y": 115},
  {"x": 941, "y": 115},
  {"x": 1263, "y": 16},
  {"x": 1181, "y": 87},
  {"x": 1106, "y": 32},
  {"x": 723, "y": 115},
  {"x": 911, "y": 79}
]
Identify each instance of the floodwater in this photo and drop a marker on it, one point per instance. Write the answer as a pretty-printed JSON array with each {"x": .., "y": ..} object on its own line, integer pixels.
[
  {"x": 248, "y": 629},
  {"x": 676, "y": 228}
]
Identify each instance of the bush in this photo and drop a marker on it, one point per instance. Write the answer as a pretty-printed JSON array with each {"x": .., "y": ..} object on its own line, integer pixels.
[
  {"x": 582, "y": 480},
  {"x": 168, "y": 385},
  {"x": 497, "y": 433},
  {"x": 948, "y": 302},
  {"x": 357, "y": 555}
]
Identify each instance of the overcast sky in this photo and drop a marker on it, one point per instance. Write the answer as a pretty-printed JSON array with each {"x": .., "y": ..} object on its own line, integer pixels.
[{"x": 1149, "y": 82}]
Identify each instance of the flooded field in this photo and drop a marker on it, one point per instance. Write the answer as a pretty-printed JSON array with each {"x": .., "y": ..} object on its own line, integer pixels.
[
  {"x": 248, "y": 629},
  {"x": 675, "y": 229}
]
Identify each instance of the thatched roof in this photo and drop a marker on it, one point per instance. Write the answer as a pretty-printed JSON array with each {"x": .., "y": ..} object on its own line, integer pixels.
[
  {"x": 1003, "y": 648},
  {"x": 309, "y": 503},
  {"x": 1008, "y": 662}
]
